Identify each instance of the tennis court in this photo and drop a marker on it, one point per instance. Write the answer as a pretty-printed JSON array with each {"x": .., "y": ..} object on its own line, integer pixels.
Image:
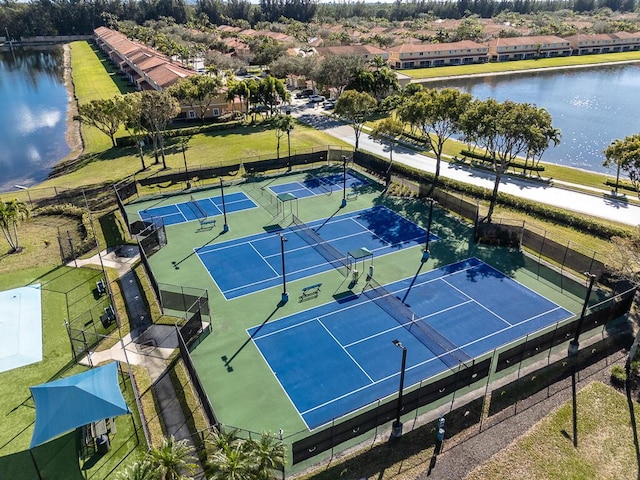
[
  {"x": 312, "y": 185},
  {"x": 338, "y": 357},
  {"x": 253, "y": 263},
  {"x": 198, "y": 209}
]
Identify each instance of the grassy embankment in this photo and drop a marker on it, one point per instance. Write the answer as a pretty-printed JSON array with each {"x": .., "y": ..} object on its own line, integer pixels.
[{"x": 520, "y": 65}]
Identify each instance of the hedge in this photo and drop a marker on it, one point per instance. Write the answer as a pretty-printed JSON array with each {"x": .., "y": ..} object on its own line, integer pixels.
[
  {"x": 484, "y": 158},
  {"x": 83, "y": 218},
  {"x": 535, "y": 209}
]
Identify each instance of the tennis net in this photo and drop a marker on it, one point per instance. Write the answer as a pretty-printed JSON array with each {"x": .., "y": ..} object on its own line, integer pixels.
[
  {"x": 451, "y": 355},
  {"x": 198, "y": 209},
  {"x": 330, "y": 253}
]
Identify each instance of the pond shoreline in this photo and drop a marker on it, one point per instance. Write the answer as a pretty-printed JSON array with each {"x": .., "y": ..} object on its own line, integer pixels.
[{"x": 520, "y": 72}]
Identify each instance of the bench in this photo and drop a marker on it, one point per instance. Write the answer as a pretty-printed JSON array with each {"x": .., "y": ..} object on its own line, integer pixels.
[
  {"x": 108, "y": 317},
  {"x": 311, "y": 291},
  {"x": 101, "y": 287}
]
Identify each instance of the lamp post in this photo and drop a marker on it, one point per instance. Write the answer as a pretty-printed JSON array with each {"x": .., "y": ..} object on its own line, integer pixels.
[
  {"x": 574, "y": 346},
  {"x": 344, "y": 182},
  {"x": 396, "y": 431},
  {"x": 225, "y": 227},
  {"x": 184, "y": 157},
  {"x": 289, "y": 142},
  {"x": 21, "y": 187},
  {"x": 285, "y": 295},
  {"x": 426, "y": 254},
  {"x": 281, "y": 435}
]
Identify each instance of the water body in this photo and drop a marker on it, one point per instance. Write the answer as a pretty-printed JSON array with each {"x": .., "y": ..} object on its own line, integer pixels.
[
  {"x": 592, "y": 107},
  {"x": 33, "y": 115}
]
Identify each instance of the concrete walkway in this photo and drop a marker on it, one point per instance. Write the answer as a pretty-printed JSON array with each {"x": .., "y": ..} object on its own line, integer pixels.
[
  {"x": 146, "y": 345},
  {"x": 599, "y": 203}
]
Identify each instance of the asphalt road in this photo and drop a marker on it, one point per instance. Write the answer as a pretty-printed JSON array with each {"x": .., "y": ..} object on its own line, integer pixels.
[{"x": 599, "y": 203}]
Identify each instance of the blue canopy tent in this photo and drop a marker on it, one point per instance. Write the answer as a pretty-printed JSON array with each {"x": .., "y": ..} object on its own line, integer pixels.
[{"x": 68, "y": 403}]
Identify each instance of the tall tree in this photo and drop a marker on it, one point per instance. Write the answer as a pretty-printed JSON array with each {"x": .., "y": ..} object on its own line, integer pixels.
[
  {"x": 503, "y": 130},
  {"x": 105, "y": 114},
  {"x": 388, "y": 130},
  {"x": 283, "y": 125},
  {"x": 198, "y": 92},
  {"x": 336, "y": 72},
  {"x": 158, "y": 108},
  {"x": 437, "y": 114},
  {"x": 134, "y": 123},
  {"x": 357, "y": 108},
  {"x": 11, "y": 214},
  {"x": 625, "y": 154}
]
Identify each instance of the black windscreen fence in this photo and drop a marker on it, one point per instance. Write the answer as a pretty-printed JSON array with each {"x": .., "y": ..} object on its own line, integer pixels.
[
  {"x": 616, "y": 307},
  {"x": 562, "y": 253},
  {"x": 195, "y": 381},
  {"x": 383, "y": 413},
  {"x": 192, "y": 328}
]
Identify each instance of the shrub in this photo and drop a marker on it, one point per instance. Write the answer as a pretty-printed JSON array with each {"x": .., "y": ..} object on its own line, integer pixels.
[
  {"x": 618, "y": 375},
  {"x": 81, "y": 215}
]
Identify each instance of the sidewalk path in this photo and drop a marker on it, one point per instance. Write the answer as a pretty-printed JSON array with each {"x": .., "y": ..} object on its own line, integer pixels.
[
  {"x": 147, "y": 345},
  {"x": 598, "y": 203}
]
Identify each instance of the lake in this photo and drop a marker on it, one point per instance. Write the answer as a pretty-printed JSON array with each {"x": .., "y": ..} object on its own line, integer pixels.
[
  {"x": 33, "y": 115},
  {"x": 591, "y": 106}
]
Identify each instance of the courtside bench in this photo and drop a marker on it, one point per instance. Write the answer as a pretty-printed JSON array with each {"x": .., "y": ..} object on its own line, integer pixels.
[{"x": 311, "y": 291}]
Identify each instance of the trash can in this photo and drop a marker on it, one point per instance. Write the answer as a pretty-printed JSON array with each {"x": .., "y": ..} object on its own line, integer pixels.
[{"x": 102, "y": 444}]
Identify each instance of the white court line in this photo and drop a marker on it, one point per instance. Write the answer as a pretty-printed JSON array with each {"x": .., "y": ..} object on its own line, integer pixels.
[
  {"x": 277, "y": 379},
  {"x": 264, "y": 260},
  {"x": 477, "y": 303},
  {"x": 344, "y": 349}
]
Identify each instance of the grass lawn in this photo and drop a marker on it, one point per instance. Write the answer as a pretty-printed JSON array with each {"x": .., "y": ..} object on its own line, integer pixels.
[
  {"x": 498, "y": 67},
  {"x": 225, "y": 147},
  {"x": 606, "y": 446},
  {"x": 66, "y": 292},
  {"x": 94, "y": 79}
]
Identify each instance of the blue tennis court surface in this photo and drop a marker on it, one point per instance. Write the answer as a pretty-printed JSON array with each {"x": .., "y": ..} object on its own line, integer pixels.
[
  {"x": 339, "y": 357},
  {"x": 187, "y": 211},
  {"x": 251, "y": 264},
  {"x": 311, "y": 185}
]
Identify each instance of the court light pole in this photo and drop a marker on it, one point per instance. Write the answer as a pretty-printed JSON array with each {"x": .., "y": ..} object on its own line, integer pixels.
[
  {"x": 225, "y": 227},
  {"x": 344, "y": 182},
  {"x": 426, "y": 254},
  {"x": 574, "y": 346},
  {"x": 396, "y": 430},
  {"x": 285, "y": 295}
]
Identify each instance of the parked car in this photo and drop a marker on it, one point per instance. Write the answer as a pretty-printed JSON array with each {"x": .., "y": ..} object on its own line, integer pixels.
[
  {"x": 304, "y": 93},
  {"x": 316, "y": 98},
  {"x": 328, "y": 104}
]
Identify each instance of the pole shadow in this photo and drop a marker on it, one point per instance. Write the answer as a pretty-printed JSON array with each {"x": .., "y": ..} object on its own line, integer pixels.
[
  {"x": 634, "y": 427},
  {"x": 176, "y": 265},
  {"x": 227, "y": 360}
]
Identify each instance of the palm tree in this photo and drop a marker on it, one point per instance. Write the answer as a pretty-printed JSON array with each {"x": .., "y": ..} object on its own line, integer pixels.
[
  {"x": 139, "y": 470},
  {"x": 11, "y": 213},
  {"x": 267, "y": 455},
  {"x": 172, "y": 459},
  {"x": 232, "y": 463}
]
